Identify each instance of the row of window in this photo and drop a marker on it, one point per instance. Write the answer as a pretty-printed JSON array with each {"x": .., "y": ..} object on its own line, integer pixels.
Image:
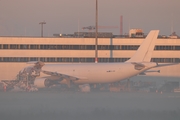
[
  {"x": 53, "y": 59},
  {"x": 82, "y": 47},
  {"x": 167, "y": 47},
  {"x": 70, "y": 47},
  {"x": 166, "y": 60}
]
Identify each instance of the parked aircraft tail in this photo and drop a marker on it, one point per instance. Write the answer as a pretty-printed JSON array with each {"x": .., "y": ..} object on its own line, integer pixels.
[{"x": 144, "y": 52}]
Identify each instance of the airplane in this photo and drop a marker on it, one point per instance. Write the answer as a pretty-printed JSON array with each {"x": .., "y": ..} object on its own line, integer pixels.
[{"x": 93, "y": 73}]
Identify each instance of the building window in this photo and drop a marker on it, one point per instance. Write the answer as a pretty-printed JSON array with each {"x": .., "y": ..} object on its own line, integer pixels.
[
  {"x": 50, "y": 59},
  {"x": 43, "y": 59},
  {"x": 5, "y": 46},
  {"x": 41, "y": 46},
  {"x": 90, "y": 47},
  {"x": 13, "y": 46},
  {"x": 53, "y": 47},
  {"x": 82, "y": 47},
  {"x": 75, "y": 47},
  {"x": 116, "y": 59},
  {"x": 33, "y": 59},
  {"x": 24, "y": 46},
  {"x": 65, "y": 47},
  {"x": 177, "y": 60},
  {"x": 111, "y": 59},
  {"x": 177, "y": 47},
  {"x": 75, "y": 59},
  {"x": 90, "y": 59},
  {"x": 117, "y": 47},
  {"x": 82, "y": 59},
  {"x": 5, "y": 59},
  {"x": 59, "y": 59},
  {"x": 34, "y": 46}
]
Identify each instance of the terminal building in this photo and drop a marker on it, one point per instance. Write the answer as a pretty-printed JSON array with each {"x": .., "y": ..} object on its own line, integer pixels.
[{"x": 15, "y": 52}]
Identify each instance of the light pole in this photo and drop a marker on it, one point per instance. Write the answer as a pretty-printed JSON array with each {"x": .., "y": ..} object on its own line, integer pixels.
[
  {"x": 96, "y": 41},
  {"x": 42, "y": 28},
  {"x": 27, "y": 80}
]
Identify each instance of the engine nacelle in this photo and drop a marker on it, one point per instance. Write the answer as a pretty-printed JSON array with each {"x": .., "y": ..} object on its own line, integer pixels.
[
  {"x": 42, "y": 82},
  {"x": 85, "y": 88}
]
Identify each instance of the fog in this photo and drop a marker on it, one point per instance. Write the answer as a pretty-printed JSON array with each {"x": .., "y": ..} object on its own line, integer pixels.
[
  {"x": 22, "y": 17},
  {"x": 56, "y": 105}
]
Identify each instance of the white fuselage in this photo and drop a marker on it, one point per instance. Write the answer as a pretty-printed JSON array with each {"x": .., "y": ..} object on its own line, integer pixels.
[{"x": 97, "y": 72}]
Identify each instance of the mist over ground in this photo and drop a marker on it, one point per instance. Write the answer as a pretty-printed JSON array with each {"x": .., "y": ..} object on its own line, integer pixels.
[{"x": 55, "y": 105}]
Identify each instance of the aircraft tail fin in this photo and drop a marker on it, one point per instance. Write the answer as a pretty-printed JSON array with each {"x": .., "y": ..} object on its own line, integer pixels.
[{"x": 144, "y": 52}]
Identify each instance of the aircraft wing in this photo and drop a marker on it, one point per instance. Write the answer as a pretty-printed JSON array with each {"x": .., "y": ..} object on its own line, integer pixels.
[
  {"x": 61, "y": 76},
  {"x": 38, "y": 65}
]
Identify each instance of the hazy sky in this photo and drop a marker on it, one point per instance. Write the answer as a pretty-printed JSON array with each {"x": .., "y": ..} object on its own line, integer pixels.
[{"x": 22, "y": 17}]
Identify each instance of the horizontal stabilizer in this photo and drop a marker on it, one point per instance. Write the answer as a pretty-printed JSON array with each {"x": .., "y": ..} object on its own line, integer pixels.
[
  {"x": 149, "y": 71},
  {"x": 165, "y": 64}
]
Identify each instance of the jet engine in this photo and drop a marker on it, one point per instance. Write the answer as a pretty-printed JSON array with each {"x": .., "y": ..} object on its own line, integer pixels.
[
  {"x": 43, "y": 82},
  {"x": 46, "y": 82}
]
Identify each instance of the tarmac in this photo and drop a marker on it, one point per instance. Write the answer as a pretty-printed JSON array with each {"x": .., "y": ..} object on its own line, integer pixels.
[{"x": 56, "y": 105}]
